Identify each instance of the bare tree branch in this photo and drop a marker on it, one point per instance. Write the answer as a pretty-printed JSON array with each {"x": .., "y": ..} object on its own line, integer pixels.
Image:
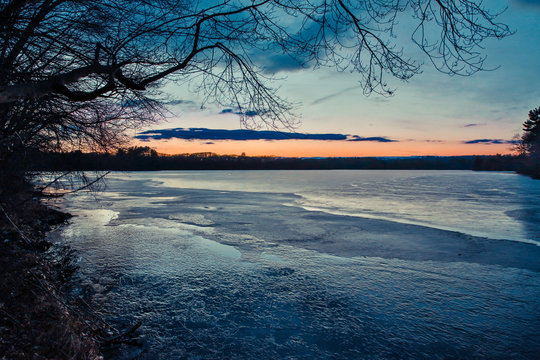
[{"x": 75, "y": 74}]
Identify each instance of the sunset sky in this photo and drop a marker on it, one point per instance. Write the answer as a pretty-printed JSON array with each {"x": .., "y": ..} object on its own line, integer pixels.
[{"x": 431, "y": 114}]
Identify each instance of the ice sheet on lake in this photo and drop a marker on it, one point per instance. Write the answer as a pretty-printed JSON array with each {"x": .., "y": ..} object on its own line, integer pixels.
[{"x": 219, "y": 273}]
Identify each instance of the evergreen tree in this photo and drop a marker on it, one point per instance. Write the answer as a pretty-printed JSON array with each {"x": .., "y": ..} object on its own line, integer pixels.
[
  {"x": 530, "y": 143},
  {"x": 531, "y": 128}
]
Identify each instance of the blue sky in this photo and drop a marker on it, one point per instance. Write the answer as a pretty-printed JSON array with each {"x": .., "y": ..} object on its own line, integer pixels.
[{"x": 427, "y": 115}]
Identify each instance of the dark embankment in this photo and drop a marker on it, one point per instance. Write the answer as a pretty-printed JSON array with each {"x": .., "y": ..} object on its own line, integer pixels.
[{"x": 36, "y": 319}]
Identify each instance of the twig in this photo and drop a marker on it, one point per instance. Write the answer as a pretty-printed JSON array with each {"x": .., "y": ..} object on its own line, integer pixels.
[
  {"x": 88, "y": 185},
  {"x": 42, "y": 188},
  {"x": 99, "y": 316},
  {"x": 11, "y": 317},
  {"x": 116, "y": 338},
  {"x": 76, "y": 190},
  {"x": 28, "y": 241}
]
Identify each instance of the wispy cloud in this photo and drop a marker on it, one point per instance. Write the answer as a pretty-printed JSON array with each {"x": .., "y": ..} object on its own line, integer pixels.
[
  {"x": 472, "y": 125},
  {"x": 490, "y": 141},
  {"x": 179, "y": 102},
  {"x": 532, "y": 3},
  {"x": 243, "y": 135},
  {"x": 249, "y": 113},
  {"x": 275, "y": 63},
  {"x": 331, "y": 96},
  {"x": 373, "y": 138}
]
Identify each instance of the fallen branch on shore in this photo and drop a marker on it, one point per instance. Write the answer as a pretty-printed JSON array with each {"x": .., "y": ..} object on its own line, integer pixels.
[{"x": 122, "y": 337}]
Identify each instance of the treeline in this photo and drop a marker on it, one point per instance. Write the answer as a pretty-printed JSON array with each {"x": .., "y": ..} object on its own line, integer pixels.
[{"x": 144, "y": 159}]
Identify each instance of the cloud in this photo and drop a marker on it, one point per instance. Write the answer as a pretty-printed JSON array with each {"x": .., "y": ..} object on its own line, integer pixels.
[
  {"x": 249, "y": 113},
  {"x": 274, "y": 63},
  {"x": 531, "y": 3},
  {"x": 243, "y": 135},
  {"x": 490, "y": 141},
  {"x": 374, "y": 138},
  {"x": 472, "y": 125},
  {"x": 336, "y": 94},
  {"x": 139, "y": 103},
  {"x": 179, "y": 102}
]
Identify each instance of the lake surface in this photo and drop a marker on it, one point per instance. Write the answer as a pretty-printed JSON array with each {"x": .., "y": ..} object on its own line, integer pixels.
[{"x": 315, "y": 264}]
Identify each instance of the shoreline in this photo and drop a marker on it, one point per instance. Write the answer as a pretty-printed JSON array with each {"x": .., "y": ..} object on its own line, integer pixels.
[{"x": 37, "y": 319}]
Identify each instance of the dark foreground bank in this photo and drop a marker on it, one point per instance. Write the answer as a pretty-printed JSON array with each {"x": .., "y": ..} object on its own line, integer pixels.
[{"x": 37, "y": 321}]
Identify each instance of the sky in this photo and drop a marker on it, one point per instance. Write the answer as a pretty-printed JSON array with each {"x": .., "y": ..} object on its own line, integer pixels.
[{"x": 431, "y": 114}]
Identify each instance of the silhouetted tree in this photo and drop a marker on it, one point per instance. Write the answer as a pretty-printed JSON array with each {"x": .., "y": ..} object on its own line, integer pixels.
[
  {"x": 137, "y": 151},
  {"x": 74, "y": 74},
  {"x": 142, "y": 159},
  {"x": 529, "y": 146},
  {"x": 531, "y": 135}
]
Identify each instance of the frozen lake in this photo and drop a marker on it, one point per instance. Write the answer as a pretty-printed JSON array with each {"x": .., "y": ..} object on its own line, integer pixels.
[{"x": 315, "y": 264}]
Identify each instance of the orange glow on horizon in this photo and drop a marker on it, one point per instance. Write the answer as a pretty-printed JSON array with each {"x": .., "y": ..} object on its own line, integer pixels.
[{"x": 308, "y": 148}]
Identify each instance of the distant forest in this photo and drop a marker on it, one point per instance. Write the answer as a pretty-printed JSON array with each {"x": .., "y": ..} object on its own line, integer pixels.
[{"x": 146, "y": 159}]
